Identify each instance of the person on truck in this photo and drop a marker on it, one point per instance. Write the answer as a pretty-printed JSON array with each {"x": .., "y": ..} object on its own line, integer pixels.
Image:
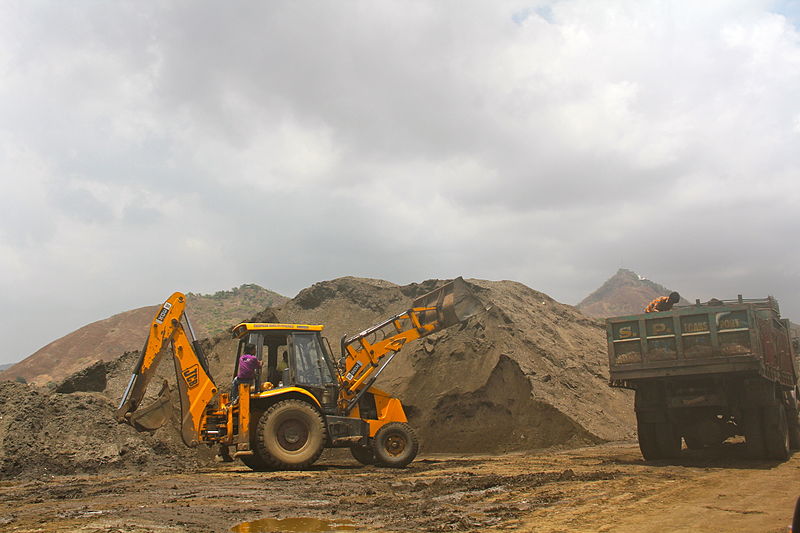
[
  {"x": 248, "y": 366},
  {"x": 663, "y": 303}
]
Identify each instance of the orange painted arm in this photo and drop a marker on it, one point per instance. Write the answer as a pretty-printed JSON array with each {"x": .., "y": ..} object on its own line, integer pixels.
[{"x": 195, "y": 386}]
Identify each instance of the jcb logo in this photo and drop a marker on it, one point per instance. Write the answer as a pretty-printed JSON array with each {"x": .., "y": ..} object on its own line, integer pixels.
[
  {"x": 190, "y": 375},
  {"x": 353, "y": 371},
  {"x": 163, "y": 313}
]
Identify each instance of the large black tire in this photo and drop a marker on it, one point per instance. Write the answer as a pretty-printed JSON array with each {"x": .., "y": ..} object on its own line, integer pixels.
[
  {"x": 363, "y": 454},
  {"x": 648, "y": 444},
  {"x": 256, "y": 462},
  {"x": 693, "y": 443},
  {"x": 752, "y": 428},
  {"x": 291, "y": 435},
  {"x": 669, "y": 440},
  {"x": 776, "y": 432},
  {"x": 794, "y": 426},
  {"x": 395, "y": 445}
]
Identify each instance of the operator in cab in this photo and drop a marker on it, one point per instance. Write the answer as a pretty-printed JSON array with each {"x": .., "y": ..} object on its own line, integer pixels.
[{"x": 249, "y": 365}]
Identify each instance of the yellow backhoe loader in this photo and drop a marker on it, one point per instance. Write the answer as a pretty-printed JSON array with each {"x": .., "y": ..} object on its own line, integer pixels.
[{"x": 303, "y": 400}]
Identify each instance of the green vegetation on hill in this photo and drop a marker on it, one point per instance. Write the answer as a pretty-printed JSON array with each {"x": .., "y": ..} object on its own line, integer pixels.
[{"x": 214, "y": 314}]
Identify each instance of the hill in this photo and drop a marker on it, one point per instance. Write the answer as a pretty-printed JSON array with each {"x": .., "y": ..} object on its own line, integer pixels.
[
  {"x": 107, "y": 339},
  {"x": 624, "y": 293}
]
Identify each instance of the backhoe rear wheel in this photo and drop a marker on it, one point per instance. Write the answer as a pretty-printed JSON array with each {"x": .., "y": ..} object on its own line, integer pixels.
[
  {"x": 291, "y": 435},
  {"x": 395, "y": 445}
]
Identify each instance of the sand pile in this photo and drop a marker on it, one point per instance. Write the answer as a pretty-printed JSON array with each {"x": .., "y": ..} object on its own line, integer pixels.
[
  {"x": 47, "y": 433},
  {"x": 529, "y": 372}
]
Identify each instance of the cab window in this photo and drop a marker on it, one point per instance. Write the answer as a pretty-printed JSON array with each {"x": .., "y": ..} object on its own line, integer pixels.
[{"x": 311, "y": 368}]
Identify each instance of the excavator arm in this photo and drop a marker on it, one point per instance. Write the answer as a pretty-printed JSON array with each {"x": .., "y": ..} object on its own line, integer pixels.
[
  {"x": 196, "y": 388},
  {"x": 368, "y": 353}
]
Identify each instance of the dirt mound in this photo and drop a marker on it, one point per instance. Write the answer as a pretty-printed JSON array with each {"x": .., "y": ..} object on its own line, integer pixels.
[
  {"x": 91, "y": 379},
  {"x": 47, "y": 433},
  {"x": 529, "y": 372}
]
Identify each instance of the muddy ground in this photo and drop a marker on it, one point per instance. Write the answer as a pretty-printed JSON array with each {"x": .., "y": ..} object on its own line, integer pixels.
[{"x": 600, "y": 488}]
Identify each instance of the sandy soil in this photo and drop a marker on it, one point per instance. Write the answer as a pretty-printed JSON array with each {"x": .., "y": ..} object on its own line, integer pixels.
[{"x": 599, "y": 488}]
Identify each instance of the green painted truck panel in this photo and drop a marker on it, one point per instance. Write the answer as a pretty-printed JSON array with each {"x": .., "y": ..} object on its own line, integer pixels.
[{"x": 730, "y": 336}]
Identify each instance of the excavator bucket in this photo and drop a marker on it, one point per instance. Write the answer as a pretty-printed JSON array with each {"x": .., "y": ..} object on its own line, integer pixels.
[
  {"x": 156, "y": 414},
  {"x": 454, "y": 302}
]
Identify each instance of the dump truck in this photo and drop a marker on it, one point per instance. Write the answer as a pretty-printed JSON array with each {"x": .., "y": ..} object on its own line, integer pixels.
[
  {"x": 303, "y": 399},
  {"x": 705, "y": 372}
]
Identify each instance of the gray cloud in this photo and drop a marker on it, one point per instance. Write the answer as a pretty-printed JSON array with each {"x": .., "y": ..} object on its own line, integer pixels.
[{"x": 192, "y": 146}]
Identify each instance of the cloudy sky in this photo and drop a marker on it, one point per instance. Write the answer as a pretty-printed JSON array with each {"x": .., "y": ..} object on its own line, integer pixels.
[{"x": 148, "y": 147}]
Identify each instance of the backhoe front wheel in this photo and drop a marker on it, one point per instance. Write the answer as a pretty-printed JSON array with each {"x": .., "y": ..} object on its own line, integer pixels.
[
  {"x": 291, "y": 435},
  {"x": 255, "y": 462},
  {"x": 363, "y": 454},
  {"x": 395, "y": 445}
]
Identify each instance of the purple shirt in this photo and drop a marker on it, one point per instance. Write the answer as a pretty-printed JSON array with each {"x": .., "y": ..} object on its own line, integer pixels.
[{"x": 248, "y": 364}]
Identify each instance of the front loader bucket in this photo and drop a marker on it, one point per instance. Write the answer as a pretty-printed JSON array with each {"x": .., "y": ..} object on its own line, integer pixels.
[
  {"x": 156, "y": 414},
  {"x": 454, "y": 303}
]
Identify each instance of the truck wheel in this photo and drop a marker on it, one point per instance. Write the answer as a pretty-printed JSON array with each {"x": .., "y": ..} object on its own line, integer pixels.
[
  {"x": 669, "y": 440},
  {"x": 291, "y": 435},
  {"x": 753, "y": 433},
  {"x": 776, "y": 432},
  {"x": 693, "y": 443},
  {"x": 648, "y": 444},
  {"x": 363, "y": 454},
  {"x": 395, "y": 445},
  {"x": 794, "y": 428}
]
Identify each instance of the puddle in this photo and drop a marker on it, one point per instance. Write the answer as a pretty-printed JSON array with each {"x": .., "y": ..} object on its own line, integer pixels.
[{"x": 293, "y": 525}]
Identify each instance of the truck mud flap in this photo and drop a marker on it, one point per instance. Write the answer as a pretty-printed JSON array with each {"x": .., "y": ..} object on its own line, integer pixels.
[
  {"x": 453, "y": 302},
  {"x": 156, "y": 414}
]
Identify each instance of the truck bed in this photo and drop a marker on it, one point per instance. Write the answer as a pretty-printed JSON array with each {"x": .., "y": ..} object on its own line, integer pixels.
[{"x": 719, "y": 337}]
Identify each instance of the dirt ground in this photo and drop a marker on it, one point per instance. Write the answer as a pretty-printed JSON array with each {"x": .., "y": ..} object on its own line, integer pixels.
[{"x": 599, "y": 488}]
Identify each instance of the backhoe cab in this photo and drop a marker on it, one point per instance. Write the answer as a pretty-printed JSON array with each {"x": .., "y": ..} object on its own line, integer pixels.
[{"x": 303, "y": 400}]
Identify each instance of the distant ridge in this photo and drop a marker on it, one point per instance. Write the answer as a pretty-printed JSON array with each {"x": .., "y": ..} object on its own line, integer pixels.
[{"x": 624, "y": 293}]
